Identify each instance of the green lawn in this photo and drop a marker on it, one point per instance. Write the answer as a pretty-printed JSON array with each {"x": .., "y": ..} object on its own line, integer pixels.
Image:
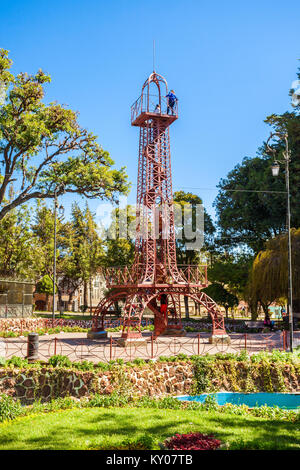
[{"x": 92, "y": 427}]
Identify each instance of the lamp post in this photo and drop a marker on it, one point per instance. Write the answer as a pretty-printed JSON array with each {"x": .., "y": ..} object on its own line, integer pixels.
[
  {"x": 275, "y": 172},
  {"x": 57, "y": 190}
]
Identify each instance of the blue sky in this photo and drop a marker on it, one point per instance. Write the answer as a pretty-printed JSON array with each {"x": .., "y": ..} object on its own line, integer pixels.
[{"x": 230, "y": 63}]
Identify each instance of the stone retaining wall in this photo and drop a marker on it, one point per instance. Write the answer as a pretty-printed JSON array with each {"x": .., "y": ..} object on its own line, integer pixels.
[
  {"x": 46, "y": 383},
  {"x": 157, "y": 379}
]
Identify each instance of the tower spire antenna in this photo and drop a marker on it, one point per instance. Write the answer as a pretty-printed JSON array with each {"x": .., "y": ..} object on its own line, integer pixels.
[{"x": 153, "y": 55}]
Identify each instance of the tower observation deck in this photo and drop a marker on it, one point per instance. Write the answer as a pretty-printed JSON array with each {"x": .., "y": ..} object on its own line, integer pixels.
[{"x": 155, "y": 280}]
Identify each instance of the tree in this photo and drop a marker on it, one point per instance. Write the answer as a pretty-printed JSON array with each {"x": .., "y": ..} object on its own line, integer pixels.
[
  {"x": 120, "y": 251},
  {"x": 42, "y": 227},
  {"x": 247, "y": 213},
  {"x": 228, "y": 276},
  {"x": 19, "y": 251},
  {"x": 188, "y": 202},
  {"x": 231, "y": 271},
  {"x": 221, "y": 296},
  {"x": 86, "y": 252},
  {"x": 45, "y": 286},
  {"x": 44, "y": 148},
  {"x": 268, "y": 281}
]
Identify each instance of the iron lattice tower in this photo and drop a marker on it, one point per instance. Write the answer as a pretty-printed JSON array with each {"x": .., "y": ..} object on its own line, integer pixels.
[{"x": 155, "y": 274}]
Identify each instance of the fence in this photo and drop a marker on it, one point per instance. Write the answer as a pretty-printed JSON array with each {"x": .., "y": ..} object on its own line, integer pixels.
[
  {"x": 105, "y": 350},
  {"x": 148, "y": 104}
]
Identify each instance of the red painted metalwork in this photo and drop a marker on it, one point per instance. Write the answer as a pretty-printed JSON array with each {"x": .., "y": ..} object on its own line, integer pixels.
[{"x": 155, "y": 271}]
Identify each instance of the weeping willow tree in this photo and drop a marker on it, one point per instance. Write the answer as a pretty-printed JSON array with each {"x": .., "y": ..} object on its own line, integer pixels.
[{"x": 268, "y": 279}]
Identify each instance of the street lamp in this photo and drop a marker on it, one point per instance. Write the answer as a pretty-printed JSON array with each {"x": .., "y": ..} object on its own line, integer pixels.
[
  {"x": 275, "y": 172},
  {"x": 58, "y": 190},
  {"x": 275, "y": 169}
]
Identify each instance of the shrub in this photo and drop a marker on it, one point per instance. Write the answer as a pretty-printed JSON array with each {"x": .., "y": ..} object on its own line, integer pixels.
[
  {"x": 210, "y": 402},
  {"x": 83, "y": 365},
  {"x": 59, "y": 361},
  {"x": 139, "y": 362},
  {"x": 9, "y": 408},
  {"x": 102, "y": 366},
  {"x": 106, "y": 401},
  {"x": 16, "y": 361},
  {"x": 201, "y": 378}
]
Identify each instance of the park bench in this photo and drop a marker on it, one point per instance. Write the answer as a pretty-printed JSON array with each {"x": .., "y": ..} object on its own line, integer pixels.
[{"x": 255, "y": 324}]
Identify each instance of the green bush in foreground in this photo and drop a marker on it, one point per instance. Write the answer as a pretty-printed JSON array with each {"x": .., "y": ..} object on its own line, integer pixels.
[
  {"x": 11, "y": 408},
  {"x": 63, "y": 361}
]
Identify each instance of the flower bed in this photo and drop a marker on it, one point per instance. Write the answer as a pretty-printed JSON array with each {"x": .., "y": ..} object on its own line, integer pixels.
[
  {"x": 42, "y": 325},
  {"x": 192, "y": 441}
]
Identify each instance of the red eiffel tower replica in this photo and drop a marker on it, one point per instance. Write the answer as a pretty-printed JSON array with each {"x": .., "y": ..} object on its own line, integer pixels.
[{"x": 155, "y": 280}]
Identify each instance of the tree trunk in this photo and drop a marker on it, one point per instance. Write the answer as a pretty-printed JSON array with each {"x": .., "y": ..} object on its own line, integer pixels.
[
  {"x": 60, "y": 302},
  {"x": 85, "y": 294},
  {"x": 117, "y": 308},
  {"x": 253, "y": 308},
  {"x": 186, "y": 305},
  {"x": 70, "y": 302},
  {"x": 91, "y": 301},
  {"x": 265, "y": 308}
]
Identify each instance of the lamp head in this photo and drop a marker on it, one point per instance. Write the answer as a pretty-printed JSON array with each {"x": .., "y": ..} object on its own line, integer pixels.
[{"x": 275, "y": 169}]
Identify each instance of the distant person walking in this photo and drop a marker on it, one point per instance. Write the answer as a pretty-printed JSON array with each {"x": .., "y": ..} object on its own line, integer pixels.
[{"x": 172, "y": 100}]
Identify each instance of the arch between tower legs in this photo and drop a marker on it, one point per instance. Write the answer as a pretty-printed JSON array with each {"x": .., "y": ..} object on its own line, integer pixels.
[{"x": 137, "y": 301}]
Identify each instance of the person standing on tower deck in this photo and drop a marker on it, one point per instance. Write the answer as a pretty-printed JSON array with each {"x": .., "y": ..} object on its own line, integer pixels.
[{"x": 172, "y": 100}]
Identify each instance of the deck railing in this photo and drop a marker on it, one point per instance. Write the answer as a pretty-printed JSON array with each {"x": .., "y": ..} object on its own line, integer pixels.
[
  {"x": 124, "y": 275},
  {"x": 149, "y": 104}
]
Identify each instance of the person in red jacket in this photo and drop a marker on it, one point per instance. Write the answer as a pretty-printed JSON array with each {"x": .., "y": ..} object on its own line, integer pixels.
[{"x": 163, "y": 304}]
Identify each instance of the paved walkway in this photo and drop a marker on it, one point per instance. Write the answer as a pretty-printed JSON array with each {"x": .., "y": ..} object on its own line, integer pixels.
[{"x": 77, "y": 347}]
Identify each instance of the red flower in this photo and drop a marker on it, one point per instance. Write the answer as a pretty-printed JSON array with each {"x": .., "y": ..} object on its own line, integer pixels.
[{"x": 192, "y": 441}]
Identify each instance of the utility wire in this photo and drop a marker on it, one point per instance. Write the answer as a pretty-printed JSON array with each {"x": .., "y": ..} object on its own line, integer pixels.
[{"x": 229, "y": 190}]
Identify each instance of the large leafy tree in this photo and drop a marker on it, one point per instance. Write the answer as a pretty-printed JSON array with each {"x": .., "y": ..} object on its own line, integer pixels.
[
  {"x": 187, "y": 203},
  {"x": 228, "y": 275},
  {"x": 19, "y": 250},
  {"x": 186, "y": 219},
  {"x": 85, "y": 252},
  {"x": 268, "y": 281},
  {"x": 231, "y": 271},
  {"x": 42, "y": 227},
  {"x": 44, "y": 148},
  {"x": 119, "y": 247},
  {"x": 248, "y": 210},
  {"x": 221, "y": 296},
  {"x": 79, "y": 248},
  {"x": 251, "y": 204}
]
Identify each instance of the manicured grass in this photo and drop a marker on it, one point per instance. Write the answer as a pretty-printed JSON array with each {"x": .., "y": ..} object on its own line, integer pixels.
[{"x": 89, "y": 428}]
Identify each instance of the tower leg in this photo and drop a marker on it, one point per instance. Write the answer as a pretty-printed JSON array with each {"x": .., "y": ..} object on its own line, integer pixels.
[
  {"x": 219, "y": 334},
  {"x": 131, "y": 333},
  {"x": 98, "y": 326},
  {"x": 174, "y": 325}
]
